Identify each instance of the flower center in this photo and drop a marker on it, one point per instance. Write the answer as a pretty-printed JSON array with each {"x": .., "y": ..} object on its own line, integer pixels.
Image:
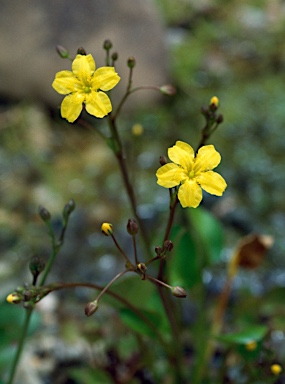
[
  {"x": 87, "y": 89},
  {"x": 191, "y": 174}
]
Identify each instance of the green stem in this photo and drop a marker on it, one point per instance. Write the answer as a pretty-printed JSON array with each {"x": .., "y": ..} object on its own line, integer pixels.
[
  {"x": 20, "y": 346},
  {"x": 128, "y": 185}
]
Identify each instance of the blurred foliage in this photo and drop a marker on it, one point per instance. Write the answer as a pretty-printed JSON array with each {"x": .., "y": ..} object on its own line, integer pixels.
[{"x": 232, "y": 49}]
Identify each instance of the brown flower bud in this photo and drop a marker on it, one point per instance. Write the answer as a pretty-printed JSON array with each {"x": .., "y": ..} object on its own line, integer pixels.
[
  {"x": 91, "y": 308},
  {"x": 142, "y": 267},
  {"x": 168, "y": 245},
  {"x": 132, "y": 227},
  {"x": 178, "y": 292},
  {"x": 44, "y": 213},
  {"x": 158, "y": 250},
  {"x": 219, "y": 119},
  {"x": 81, "y": 51},
  {"x": 162, "y": 160}
]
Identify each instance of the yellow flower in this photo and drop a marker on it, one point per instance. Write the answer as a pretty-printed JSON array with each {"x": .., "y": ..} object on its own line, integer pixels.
[
  {"x": 276, "y": 369},
  {"x": 192, "y": 173},
  {"x": 84, "y": 84},
  {"x": 251, "y": 345}
]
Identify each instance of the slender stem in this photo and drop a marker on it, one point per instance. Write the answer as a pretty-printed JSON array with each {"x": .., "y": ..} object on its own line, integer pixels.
[
  {"x": 20, "y": 345},
  {"x": 105, "y": 289},
  {"x": 167, "y": 233},
  {"x": 128, "y": 185},
  {"x": 120, "y": 249},
  {"x": 140, "y": 314},
  {"x": 135, "y": 249}
]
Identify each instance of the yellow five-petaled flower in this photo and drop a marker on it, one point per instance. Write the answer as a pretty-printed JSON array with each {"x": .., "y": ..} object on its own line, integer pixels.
[
  {"x": 192, "y": 173},
  {"x": 85, "y": 85}
]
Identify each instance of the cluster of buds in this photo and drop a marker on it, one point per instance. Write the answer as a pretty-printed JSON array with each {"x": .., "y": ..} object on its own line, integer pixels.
[
  {"x": 28, "y": 295},
  {"x": 213, "y": 119},
  {"x": 137, "y": 267}
]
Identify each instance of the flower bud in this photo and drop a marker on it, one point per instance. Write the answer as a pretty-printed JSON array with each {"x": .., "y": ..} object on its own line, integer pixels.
[
  {"x": 81, "y": 51},
  {"x": 168, "y": 89},
  {"x": 214, "y": 101},
  {"x": 131, "y": 62},
  {"x": 158, "y": 250},
  {"x": 107, "y": 45},
  {"x": 168, "y": 245},
  {"x": 107, "y": 229},
  {"x": 37, "y": 265},
  {"x": 44, "y": 213},
  {"x": 132, "y": 227},
  {"x": 162, "y": 160},
  {"x": 68, "y": 208},
  {"x": 178, "y": 292},
  {"x": 63, "y": 52},
  {"x": 91, "y": 308},
  {"x": 219, "y": 119},
  {"x": 142, "y": 267},
  {"x": 14, "y": 298},
  {"x": 276, "y": 369},
  {"x": 114, "y": 56}
]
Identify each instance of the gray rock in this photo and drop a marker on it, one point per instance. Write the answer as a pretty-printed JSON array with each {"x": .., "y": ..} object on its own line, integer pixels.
[{"x": 31, "y": 29}]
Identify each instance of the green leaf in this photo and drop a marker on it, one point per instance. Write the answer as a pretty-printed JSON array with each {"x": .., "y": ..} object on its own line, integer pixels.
[
  {"x": 182, "y": 265},
  {"x": 137, "y": 324},
  {"x": 88, "y": 376},
  {"x": 210, "y": 232},
  {"x": 247, "y": 335}
]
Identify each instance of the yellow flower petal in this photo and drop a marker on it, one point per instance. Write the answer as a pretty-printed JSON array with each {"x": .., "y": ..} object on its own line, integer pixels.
[
  {"x": 83, "y": 67},
  {"x": 170, "y": 175},
  {"x": 105, "y": 78},
  {"x": 207, "y": 159},
  {"x": 190, "y": 194},
  {"x": 98, "y": 104},
  {"x": 65, "y": 82},
  {"x": 212, "y": 183},
  {"x": 183, "y": 154},
  {"x": 71, "y": 106}
]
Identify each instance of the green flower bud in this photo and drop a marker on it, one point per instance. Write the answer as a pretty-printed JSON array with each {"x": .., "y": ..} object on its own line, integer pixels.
[
  {"x": 37, "y": 265},
  {"x": 68, "y": 208},
  {"x": 114, "y": 56},
  {"x": 131, "y": 62},
  {"x": 107, "y": 45},
  {"x": 63, "y": 52},
  {"x": 44, "y": 213},
  {"x": 168, "y": 89}
]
